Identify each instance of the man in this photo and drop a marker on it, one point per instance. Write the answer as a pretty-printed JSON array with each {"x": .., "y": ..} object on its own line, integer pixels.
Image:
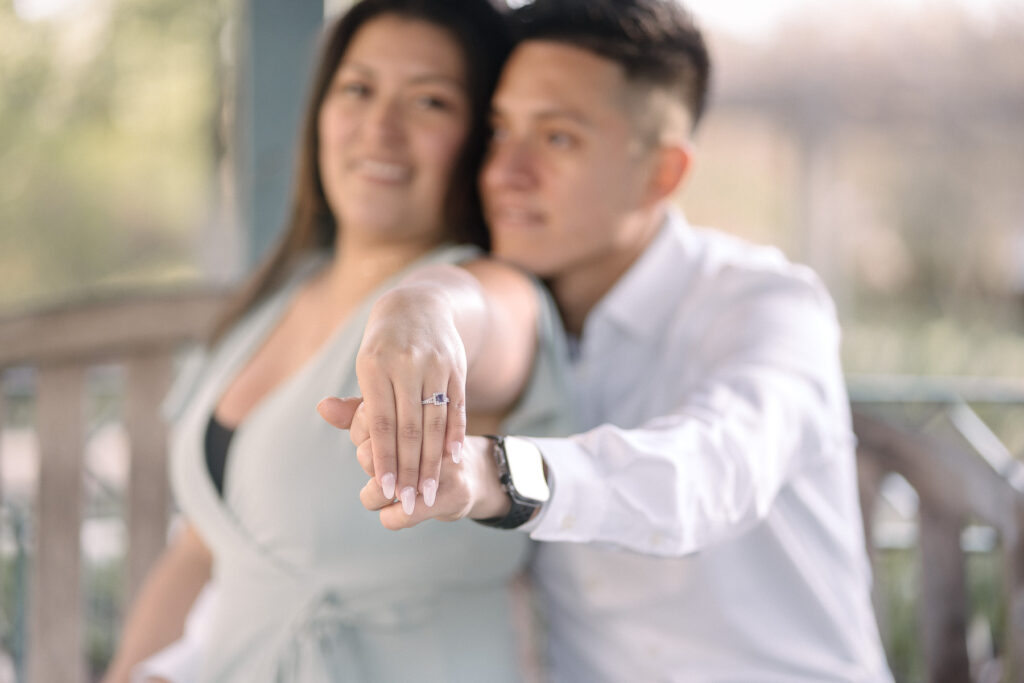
[{"x": 706, "y": 525}]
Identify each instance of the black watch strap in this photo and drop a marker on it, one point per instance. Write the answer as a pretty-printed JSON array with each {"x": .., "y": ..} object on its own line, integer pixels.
[
  {"x": 517, "y": 516},
  {"x": 518, "y": 513}
]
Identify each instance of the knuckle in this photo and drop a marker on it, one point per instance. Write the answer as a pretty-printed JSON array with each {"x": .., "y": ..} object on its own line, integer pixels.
[
  {"x": 409, "y": 472},
  {"x": 437, "y": 424},
  {"x": 382, "y": 425},
  {"x": 368, "y": 360},
  {"x": 411, "y": 432},
  {"x": 408, "y": 356}
]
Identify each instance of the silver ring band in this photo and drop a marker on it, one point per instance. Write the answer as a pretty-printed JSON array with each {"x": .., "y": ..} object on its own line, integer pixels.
[{"x": 438, "y": 399}]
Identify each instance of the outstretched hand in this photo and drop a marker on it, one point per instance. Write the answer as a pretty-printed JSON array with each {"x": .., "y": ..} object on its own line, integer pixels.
[
  {"x": 412, "y": 352},
  {"x": 470, "y": 490}
]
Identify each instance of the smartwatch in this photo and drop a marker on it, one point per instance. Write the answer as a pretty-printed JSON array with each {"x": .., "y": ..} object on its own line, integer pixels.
[{"x": 521, "y": 472}]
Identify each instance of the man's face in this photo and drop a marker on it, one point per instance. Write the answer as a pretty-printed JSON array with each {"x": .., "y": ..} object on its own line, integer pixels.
[{"x": 565, "y": 167}]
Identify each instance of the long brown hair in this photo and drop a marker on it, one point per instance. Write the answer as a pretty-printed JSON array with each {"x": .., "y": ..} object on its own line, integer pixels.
[{"x": 481, "y": 32}]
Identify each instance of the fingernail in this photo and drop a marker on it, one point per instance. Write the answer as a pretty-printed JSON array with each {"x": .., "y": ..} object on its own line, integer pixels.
[
  {"x": 456, "y": 452},
  {"x": 429, "y": 492},
  {"x": 387, "y": 485},
  {"x": 408, "y": 499}
]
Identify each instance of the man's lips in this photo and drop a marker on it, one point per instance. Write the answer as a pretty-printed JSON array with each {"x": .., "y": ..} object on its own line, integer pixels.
[{"x": 514, "y": 216}]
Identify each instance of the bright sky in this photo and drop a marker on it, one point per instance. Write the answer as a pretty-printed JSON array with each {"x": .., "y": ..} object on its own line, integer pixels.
[
  {"x": 751, "y": 19},
  {"x": 755, "y": 19}
]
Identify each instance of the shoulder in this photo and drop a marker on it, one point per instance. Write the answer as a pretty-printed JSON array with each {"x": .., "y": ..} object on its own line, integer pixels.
[
  {"x": 502, "y": 280},
  {"x": 730, "y": 269}
]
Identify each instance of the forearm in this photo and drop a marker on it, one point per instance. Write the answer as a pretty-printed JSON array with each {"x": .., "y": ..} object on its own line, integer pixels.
[
  {"x": 486, "y": 308},
  {"x": 688, "y": 480},
  {"x": 158, "y": 614}
]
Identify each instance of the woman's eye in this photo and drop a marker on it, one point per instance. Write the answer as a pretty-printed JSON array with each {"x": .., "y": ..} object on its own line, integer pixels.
[
  {"x": 354, "y": 89},
  {"x": 432, "y": 102}
]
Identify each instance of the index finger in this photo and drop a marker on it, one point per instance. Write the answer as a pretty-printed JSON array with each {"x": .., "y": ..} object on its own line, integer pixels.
[
  {"x": 359, "y": 431},
  {"x": 381, "y": 421}
]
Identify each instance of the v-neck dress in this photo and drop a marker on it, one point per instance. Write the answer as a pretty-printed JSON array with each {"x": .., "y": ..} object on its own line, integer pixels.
[{"x": 310, "y": 586}]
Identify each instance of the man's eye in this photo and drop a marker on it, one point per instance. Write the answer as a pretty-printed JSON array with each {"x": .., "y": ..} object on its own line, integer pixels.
[
  {"x": 498, "y": 134},
  {"x": 560, "y": 140}
]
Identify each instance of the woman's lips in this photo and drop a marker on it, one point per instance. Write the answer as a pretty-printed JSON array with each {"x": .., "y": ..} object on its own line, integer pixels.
[{"x": 389, "y": 172}]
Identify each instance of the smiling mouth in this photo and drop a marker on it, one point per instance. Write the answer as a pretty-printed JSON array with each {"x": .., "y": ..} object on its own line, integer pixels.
[
  {"x": 383, "y": 171},
  {"x": 515, "y": 217}
]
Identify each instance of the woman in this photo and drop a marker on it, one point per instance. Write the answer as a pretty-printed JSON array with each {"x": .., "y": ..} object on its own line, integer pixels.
[{"x": 310, "y": 587}]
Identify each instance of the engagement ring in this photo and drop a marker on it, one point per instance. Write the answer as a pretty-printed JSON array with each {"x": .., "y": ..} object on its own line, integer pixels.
[{"x": 438, "y": 399}]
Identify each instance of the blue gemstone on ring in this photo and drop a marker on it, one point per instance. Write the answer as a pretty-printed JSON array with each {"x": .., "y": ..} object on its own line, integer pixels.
[{"x": 438, "y": 399}]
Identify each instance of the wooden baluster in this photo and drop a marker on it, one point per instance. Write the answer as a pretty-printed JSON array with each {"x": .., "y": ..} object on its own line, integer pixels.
[
  {"x": 870, "y": 473},
  {"x": 943, "y": 595},
  {"x": 148, "y": 494},
  {"x": 3, "y": 425},
  {"x": 1013, "y": 548},
  {"x": 55, "y": 632}
]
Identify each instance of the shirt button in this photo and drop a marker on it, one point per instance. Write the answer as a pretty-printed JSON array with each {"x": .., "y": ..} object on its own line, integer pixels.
[{"x": 568, "y": 522}]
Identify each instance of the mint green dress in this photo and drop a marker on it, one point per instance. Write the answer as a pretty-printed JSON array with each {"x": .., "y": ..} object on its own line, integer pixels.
[{"x": 310, "y": 586}]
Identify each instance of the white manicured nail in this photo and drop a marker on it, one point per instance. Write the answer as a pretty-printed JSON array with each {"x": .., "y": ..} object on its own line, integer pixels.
[
  {"x": 387, "y": 485},
  {"x": 456, "y": 452},
  {"x": 408, "y": 497},
  {"x": 430, "y": 492}
]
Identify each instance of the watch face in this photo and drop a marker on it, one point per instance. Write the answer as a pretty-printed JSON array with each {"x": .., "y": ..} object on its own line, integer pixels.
[{"x": 526, "y": 469}]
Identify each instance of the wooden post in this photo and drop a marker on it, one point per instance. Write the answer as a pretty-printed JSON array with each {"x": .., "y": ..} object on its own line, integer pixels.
[
  {"x": 55, "y": 631},
  {"x": 943, "y": 606},
  {"x": 276, "y": 46},
  {"x": 148, "y": 495}
]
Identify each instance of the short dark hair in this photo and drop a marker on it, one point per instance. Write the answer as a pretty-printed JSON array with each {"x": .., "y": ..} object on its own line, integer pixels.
[{"x": 655, "y": 41}]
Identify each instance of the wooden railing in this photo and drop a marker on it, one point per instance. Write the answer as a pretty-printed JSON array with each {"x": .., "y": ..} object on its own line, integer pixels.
[
  {"x": 60, "y": 344},
  {"x": 962, "y": 475},
  {"x": 955, "y": 480}
]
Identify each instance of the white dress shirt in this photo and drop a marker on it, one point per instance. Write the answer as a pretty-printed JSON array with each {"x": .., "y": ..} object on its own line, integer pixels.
[{"x": 707, "y": 527}]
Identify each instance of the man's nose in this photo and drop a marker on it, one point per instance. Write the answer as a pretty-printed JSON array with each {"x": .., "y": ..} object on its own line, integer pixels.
[{"x": 510, "y": 164}]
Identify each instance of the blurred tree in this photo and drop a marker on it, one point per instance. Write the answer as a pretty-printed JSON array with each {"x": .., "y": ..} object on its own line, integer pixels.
[{"x": 108, "y": 121}]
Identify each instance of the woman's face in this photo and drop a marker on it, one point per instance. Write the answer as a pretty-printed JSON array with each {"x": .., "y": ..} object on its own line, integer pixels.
[{"x": 391, "y": 127}]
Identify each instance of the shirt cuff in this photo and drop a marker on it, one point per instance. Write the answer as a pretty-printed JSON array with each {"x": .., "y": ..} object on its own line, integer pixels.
[{"x": 576, "y": 508}]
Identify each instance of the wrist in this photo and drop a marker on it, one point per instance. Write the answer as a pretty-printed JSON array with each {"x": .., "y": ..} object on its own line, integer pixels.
[
  {"x": 491, "y": 499},
  {"x": 522, "y": 475}
]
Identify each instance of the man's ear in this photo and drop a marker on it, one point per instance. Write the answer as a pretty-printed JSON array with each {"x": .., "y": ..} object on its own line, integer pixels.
[{"x": 670, "y": 168}]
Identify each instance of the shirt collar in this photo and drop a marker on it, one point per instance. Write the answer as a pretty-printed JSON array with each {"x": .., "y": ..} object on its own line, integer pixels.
[{"x": 650, "y": 290}]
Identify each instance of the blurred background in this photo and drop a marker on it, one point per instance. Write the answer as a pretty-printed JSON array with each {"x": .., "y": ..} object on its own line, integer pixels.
[{"x": 145, "y": 148}]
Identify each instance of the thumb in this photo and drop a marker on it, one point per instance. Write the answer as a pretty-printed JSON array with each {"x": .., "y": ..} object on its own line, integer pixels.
[{"x": 339, "y": 411}]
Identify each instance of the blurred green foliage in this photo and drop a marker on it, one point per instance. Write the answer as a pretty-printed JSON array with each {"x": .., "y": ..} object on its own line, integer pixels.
[{"x": 108, "y": 119}]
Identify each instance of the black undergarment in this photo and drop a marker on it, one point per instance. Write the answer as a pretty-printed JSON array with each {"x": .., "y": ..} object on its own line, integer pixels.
[{"x": 218, "y": 438}]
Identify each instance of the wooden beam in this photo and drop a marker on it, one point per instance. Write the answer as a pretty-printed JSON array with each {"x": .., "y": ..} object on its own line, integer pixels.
[
  {"x": 106, "y": 330},
  {"x": 938, "y": 470}
]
